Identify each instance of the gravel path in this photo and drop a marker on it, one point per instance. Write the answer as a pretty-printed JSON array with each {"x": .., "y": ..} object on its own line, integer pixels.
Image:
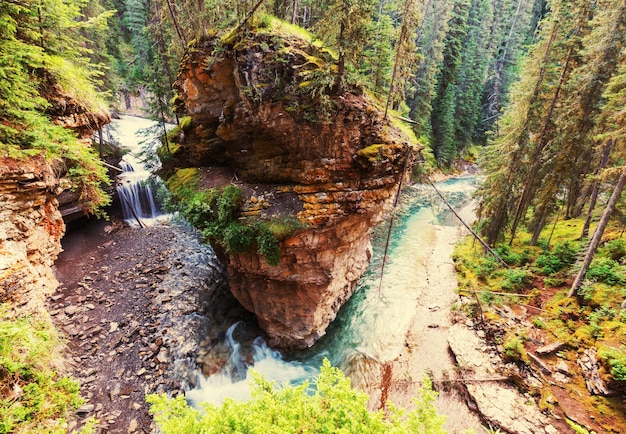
[{"x": 134, "y": 305}]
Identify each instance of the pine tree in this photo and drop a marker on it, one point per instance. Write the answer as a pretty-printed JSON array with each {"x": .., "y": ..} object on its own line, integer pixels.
[
  {"x": 430, "y": 45},
  {"x": 530, "y": 126},
  {"x": 345, "y": 26},
  {"x": 32, "y": 56},
  {"x": 444, "y": 105},
  {"x": 405, "y": 55},
  {"x": 613, "y": 119},
  {"x": 506, "y": 160},
  {"x": 472, "y": 74}
]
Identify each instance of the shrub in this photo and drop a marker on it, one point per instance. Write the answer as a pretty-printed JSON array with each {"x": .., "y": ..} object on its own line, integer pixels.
[
  {"x": 332, "y": 406},
  {"x": 238, "y": 237},
  {"x": 516, "y": 278},
  {"x": 268, "y": 245},
  {"x": 616, "y": 359},
  {"x": 511, "y": 257},
  {"x": 604, "y": 270},
  {"x": 563, "y": 254},
  {"x": 228, "y": 202},
  {"x": 34, "y": 397},
  {"x": 614, "y": 249},
  {"x": 485, "y": 266}
]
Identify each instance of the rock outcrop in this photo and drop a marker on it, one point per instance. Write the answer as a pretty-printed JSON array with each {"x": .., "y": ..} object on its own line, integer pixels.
[
  {"x": 263, "y": 112},
  {"x": 31, "y": 228},
  {"x": 500, "y": 405}
]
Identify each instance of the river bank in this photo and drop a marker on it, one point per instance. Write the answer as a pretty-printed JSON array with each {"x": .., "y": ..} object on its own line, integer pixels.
[{"x": 426, "y": 349}]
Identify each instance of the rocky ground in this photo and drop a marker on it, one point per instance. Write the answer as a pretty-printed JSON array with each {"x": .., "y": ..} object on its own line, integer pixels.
[{"x": 136, "y": 306}]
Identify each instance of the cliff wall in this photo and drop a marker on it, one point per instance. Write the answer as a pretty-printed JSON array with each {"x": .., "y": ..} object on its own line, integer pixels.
[
  {"x": 31, "y": 228},
  {"x": 265, "y": 118},
  {"x": 31, "y": 225}
]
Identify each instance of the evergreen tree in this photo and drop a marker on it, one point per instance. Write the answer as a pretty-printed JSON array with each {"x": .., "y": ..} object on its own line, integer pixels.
[
  {"x": 345, "y": 26},
  {"x": 444, "y": 105},
  {"x": 511, "y": 29},
  {"x": 518, "y": 165},
  {"x": 405, "y": 55},
  {"x": 472, "y": 74},
  {"x": 33, "y": 57},
  {"x": 613, "y": 121},
  {"x": 430, "y": 43}
]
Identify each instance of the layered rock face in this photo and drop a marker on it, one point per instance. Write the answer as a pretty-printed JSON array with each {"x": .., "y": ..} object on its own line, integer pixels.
[
  {"x": 31, "y": 228},
  {"x": 31, "y": 225},
  {"x": 295, "y": 148}
]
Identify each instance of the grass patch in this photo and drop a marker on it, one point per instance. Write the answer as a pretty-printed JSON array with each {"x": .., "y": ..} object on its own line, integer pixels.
[{"x": 34, "y": 396}]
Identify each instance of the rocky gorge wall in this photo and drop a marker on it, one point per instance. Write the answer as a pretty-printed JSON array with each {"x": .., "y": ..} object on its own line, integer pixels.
[
  {"x": 31, "y": 228},
  {"x": 263, "y": 119},
  {"x": 31, "y": 225}
]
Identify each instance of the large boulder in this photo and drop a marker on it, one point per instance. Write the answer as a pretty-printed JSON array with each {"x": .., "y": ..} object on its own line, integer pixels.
[{"x": 264, "y": 111}]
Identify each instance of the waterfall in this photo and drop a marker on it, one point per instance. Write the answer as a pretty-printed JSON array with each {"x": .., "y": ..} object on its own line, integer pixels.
[
  {"x": 232, "y": 380},
  {"x": 135, "y": 190},
  {"x": 136, "y": 185}
]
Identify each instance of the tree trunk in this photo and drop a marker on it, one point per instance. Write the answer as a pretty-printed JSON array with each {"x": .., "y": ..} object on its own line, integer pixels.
[
  {"x": 501, "y": 215},
  {"x": 101, "y": 144},
  {"x": 597, "y": 235},
  {"x": 399, "y": 42},
  {"x": 524, "y": 200},
  {"x": 341, "y": 66},
  {"x": 596, "y": 190},
  {"x": 181, "y": 37},
  {"x": 294, "y": 12}
]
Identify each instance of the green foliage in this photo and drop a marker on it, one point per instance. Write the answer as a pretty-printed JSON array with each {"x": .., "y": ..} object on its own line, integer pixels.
[
  {"x": 185, "y": 123},
  {"x": 605, "y": 270},
  {"x": 228, "y": 202},
  {"x": 238, "y": 237},
  {"x": 516, "y": 278},
  {"x": 513, "y": 348},
  {"x": 215, "y": 213},
  {"x": 268, "y": 245},
  {"x": 578, "y": 429},
  {"x": 511, "y": 256},
  {"x": 34, "y": 397},
  {"x": 614, "y": 249},
  {"x": 616, "y": 359},
  {"x": 564, "y": 254},
  {"x": 39, "y": 46},
  {"x": 331, "y": 406}
]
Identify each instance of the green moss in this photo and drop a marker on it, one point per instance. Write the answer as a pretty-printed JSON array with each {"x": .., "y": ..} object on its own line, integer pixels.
[
  {"x": 372, "y": 153},
  {"x": 185, "y": 123},
  {"x": 281, "y": 227},
  {"x": 513, "y": 348},
  {"x": 184, "y": 183}
]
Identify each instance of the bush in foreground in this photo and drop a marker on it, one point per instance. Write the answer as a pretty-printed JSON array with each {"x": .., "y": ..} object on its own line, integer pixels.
[{"x": 332, "y": 406}]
